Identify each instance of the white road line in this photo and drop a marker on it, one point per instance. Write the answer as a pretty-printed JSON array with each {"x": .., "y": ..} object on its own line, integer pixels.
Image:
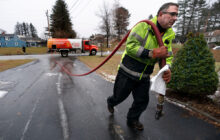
[
  {"x": 51, "y": 74},
  {"x": 58, "y": 84},
  {"x": 29, "y": 120},
  {"x": 63, "y": 116}
]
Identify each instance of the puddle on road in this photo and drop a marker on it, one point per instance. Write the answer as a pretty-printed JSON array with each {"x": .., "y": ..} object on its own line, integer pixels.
[
  {"x": 4, "y": 83},
  {"x": 63, "y": 65},
  {"x": 19, "y": 69},
  {"x": 3, "y": 93},
  {"x": 51, "y": 74},
  {"x": 5, "y": 86}
]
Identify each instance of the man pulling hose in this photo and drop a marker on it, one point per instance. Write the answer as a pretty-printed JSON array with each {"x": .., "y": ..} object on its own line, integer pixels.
[{"x": 138, "y": 60}]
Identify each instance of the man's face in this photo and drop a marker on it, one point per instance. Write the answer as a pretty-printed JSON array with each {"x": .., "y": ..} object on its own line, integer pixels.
[{"x": 167, "y": 18}]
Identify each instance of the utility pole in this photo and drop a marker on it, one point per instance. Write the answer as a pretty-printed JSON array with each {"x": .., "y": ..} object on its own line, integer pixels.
[{"x": 48, "y": 22}]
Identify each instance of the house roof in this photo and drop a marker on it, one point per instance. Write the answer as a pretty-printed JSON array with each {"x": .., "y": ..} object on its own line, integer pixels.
[
  {"x": 30, "y": 39},
  {"x": 26, "y": 39},
  {"x": 213, "y": 33},
  {"x": 98, "y": 36},
  {"x": 8, "y": 35}
]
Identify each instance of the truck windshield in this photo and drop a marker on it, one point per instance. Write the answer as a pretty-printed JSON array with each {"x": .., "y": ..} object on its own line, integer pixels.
[{"x": 87, "y": 43}]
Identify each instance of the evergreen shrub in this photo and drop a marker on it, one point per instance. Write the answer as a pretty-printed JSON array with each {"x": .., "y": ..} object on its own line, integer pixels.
[{"x": 193, "y": 68}]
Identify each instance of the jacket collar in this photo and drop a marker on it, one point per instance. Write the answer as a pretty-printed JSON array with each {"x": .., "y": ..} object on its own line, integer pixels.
[{"x": 168, "y": 31}]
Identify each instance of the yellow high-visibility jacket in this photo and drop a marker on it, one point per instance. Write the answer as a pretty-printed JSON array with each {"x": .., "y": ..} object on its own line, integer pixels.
[{"x": 135, "y": 60}]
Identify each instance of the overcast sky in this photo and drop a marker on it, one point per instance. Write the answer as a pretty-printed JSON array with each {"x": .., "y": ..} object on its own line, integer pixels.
[{"x": 83, "y": 13}]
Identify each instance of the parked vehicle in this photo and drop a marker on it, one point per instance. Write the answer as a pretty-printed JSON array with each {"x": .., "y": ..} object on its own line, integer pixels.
[
  {"x": 216, "y": 48},
  {"x": 64, "y": 46}
]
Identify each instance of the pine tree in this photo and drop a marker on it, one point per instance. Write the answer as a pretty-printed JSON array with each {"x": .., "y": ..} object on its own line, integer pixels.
[
  {"x": 182, "y": 19},
  {"x": 61, "y": 25},
  {"x": 193, "y": 69},
  {"x": 201, "y": 16},
  {"x": 150, "y": 17},
  {"x": 33, "y": 31},
  {"x": 214, "y": 16},
  {"x": 192, "y": 17},
  {"x": 18, "y": 29},
  {"x": 26, "y": 30}
]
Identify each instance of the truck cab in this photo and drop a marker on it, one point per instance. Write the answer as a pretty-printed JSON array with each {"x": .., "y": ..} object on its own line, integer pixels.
[{"x": 88, "y": 47}]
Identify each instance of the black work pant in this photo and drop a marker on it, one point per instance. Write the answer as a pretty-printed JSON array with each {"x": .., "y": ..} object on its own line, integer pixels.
[{"x": 125, "y": 85}]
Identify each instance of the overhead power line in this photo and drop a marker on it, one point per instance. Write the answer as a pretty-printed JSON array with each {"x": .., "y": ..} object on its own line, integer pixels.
[
  {"x": 82, "y": 9},
  {"x": 74, "y": 4}
]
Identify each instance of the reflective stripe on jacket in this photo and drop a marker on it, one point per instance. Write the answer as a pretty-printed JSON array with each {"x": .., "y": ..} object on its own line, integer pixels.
[{"x": 142, "y": 39}]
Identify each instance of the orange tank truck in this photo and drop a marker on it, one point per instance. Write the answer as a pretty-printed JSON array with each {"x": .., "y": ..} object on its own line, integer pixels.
[{"x": 64, "y": 46}]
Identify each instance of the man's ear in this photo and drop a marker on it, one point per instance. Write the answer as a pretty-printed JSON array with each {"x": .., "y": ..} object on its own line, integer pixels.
[{"x": 160, "y": 13}]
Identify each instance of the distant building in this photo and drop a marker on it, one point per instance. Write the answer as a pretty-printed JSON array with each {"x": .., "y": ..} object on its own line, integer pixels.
[
  {"x": 11, "y": 40},
  {"x": 97, "y": 39},
  {"x": 30, "y": 41},
  {"x": 212, "y": 37}
]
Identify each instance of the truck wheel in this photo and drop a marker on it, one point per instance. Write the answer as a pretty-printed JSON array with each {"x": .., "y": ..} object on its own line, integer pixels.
[
  {"x": 64, "y": 53},
  {"x": 93, "y": 52}
]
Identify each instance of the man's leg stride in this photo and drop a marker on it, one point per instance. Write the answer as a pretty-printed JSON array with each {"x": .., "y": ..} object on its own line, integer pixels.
[
  {"x": 122, "y": 88},
  {"x": 141, "y": 99}
]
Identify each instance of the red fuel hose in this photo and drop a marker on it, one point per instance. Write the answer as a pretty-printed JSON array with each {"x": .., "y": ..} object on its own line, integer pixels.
[{"x": 158, "y": 37}]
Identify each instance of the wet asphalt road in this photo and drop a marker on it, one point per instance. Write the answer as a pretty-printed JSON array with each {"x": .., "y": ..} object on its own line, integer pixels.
[{"x": 44, "y": 103}]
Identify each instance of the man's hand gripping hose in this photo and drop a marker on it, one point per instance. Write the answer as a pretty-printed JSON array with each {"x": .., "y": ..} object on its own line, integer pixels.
[{"x": 163, "y": 63}]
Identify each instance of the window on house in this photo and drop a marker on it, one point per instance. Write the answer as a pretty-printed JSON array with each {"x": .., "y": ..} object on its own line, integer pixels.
[{"x": 7, "y": 38}]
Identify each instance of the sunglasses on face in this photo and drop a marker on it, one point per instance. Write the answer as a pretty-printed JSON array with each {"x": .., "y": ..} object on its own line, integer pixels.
[{"x": 171, "y": 13}]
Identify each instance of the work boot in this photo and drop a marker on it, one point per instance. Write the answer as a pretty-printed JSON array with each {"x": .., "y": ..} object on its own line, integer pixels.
[
  {"x": 111, "y": 109},
  {"x": 136, "y": 125}
]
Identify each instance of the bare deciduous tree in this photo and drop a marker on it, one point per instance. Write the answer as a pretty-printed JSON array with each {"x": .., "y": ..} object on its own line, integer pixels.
[
  {"x": 105, "y": 26},
  {"x": 121, "y": 20}
]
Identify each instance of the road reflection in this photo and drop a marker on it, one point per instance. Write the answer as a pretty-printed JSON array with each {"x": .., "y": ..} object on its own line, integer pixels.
[
  {"x": 64, "y": 66},
  {"x": 117, "y": 133},
  {"x": 115, "y": 130},
  {"x": 60, "y": 64}
]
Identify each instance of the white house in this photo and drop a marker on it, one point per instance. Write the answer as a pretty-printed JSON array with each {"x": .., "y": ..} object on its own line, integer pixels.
[{"x": 212, "y": 37}]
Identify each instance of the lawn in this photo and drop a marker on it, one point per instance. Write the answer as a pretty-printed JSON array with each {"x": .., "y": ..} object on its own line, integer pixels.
[
  {"x": 18, "y": 50},
  {"x": 109, "y": 68},
  {"x": 8, "y": 64}
]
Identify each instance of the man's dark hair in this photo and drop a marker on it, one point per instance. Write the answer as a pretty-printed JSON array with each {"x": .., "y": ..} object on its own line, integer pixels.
[{"x": 165, "y": 6}]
